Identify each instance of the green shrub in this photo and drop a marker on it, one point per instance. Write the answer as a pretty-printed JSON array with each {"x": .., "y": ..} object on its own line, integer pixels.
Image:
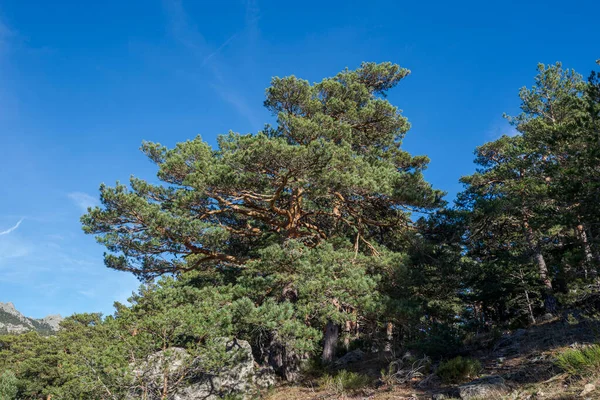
[
  {"x": 313, "y": 368},
  {"x": 438, "y": 341},
  {"x": 344, "y": 381},
  {"x": 458, "y": 369},
  {"x": 579, "y": 362},
  {"x": 8, "y": 386}
]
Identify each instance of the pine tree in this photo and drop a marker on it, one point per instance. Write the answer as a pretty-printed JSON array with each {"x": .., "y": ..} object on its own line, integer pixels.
[{"x": 329, "y": 181}]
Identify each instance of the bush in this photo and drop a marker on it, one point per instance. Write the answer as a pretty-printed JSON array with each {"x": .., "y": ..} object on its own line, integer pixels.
[
  {"x": 438, "y": 341},
  {"x": 458, "y": 369},
  {"x": 8, "y": 386},
  {"x": 344, "y": 381},
  {"x": 580, "y": 362}
]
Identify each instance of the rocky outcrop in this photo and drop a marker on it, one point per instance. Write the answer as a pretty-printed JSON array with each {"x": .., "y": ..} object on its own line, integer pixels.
[
  {"x": 53, "y": 321},
  {"x": 12, "y": 321},
  {"x": 349, "y": 358},
  {"x": 241, "y": 379},
  {"x": 489, "y": 387}
]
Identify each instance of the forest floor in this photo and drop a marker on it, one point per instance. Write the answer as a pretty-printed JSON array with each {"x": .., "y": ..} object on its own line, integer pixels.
[{"x": 525, "y": 359}]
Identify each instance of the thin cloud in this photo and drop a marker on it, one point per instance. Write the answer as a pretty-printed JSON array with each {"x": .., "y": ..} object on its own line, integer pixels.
[
  {"x": 83, "y": 200},
  {"x": 214, "y": 53},
  {"x": 12, "y": 248},
  {"x": 238, "y": 103},
  {"x": 187, "y": 34},
  {"x": 9, "y": 230}
]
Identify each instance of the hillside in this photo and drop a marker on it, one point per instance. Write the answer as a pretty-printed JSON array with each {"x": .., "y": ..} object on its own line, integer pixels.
[
  {"x": 521, "y": 364},
  {"x": 12, "y": 321}
]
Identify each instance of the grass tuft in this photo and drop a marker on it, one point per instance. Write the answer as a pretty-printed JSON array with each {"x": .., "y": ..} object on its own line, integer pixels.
[
  {"x": 344, "y": 382},
  {"x": 580, "y": 362},
  {"x": 458, "y": 370}
]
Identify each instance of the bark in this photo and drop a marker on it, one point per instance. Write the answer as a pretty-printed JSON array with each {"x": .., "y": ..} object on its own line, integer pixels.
[
  {"x": 537, "y": 255},
  {"x": 587, "y": 250},
  {"x": 389, "y": 336},
  {"x": 527, "y": 298},
  {"x": 332, "y": 332},
  {"x": 285, "y": 362},
  {"x": 549, "y": 299},
  {"x": 529, "y": 306},
  {"x": 348, "y": 329}
]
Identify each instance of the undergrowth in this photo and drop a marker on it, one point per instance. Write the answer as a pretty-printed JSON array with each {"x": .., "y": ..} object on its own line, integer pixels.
[
  {"x": 580, "y": 362},
  {"x": 344, "y": 382},
  {"x": 458, "y": 369}
]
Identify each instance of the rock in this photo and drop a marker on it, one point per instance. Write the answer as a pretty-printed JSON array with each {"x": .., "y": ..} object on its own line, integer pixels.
[
  {"x": 587, "y": 389},
  {"x": 176, "y": 358},
  {"x": 53, "y": 321},
  {"x": 284, "y": 361},
  {"x": 349, "y": 358},
  {"x": 12, "y": 321},
  {"x": 439, "y": 396},
  {"x": 239, "y": 379},
  {"x": 489, "y": 387},
  {"x": 265, "y": 377},
  {"x": 547, "y": 317}
]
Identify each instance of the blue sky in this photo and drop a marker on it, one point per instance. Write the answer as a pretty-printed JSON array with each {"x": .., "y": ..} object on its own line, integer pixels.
[{"x": 83, "y": 83}]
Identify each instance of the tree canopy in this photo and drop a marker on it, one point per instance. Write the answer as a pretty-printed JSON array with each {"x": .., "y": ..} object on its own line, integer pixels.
[{"x": 319, "y": 234}]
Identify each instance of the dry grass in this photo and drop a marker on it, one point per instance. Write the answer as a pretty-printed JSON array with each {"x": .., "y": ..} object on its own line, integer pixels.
[
  {"x": 384, "y": 393},
  {"x": 526, "y": 360}
]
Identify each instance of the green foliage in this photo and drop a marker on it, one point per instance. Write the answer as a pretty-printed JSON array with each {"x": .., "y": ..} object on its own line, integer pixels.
[
  {"x": 530, "y": 209},
  {"x": 344, "y": 382},
  {"x": 458, "y": 370},
  {"x": 438, "y": 341},
  {"x": 580, "y": 362},
  {"x": 332, "y": 167},
  {"x": 92, "y": 356},
  {"x": 8, "y": 385},
  {"x": 293, "y": 222},
  {"x": 310, "y": 223}
]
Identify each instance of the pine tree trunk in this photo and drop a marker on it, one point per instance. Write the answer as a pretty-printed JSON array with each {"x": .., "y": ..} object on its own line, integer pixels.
[
  {"x": 527, "y": 299},
  {"x": 587, "y": 250},
  {"x": 549, "y": 299},
  {"x": 530, "y": 308},
  {"x": 543, "y": 269},
  {"x": 349, "y": 327},
  {"x": 332, "y": 332},
  {"x": 389, "y": 332},
  {"x": 537, "y": 255}
]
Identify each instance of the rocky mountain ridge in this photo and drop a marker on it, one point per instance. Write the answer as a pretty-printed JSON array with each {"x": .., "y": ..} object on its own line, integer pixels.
[{"x": 12, "y": 321}]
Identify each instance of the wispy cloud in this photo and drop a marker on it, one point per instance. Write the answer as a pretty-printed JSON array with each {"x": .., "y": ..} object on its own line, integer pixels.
[
  {"x": 187, "y": 34},
  {"x": 221, "y": 47},
  {"x": 10, "y": 249},
  {"x": 83, "y": 200},
  {"x": 238, "y": 102},
  {"x": 9, "y": 230}
]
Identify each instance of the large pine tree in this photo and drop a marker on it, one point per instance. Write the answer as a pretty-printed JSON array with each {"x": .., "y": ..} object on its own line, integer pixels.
[{"x": 325, "y": 186}]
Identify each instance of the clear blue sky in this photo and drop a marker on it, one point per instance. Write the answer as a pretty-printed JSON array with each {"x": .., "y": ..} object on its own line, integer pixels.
[{"x": 82, "y": 83}]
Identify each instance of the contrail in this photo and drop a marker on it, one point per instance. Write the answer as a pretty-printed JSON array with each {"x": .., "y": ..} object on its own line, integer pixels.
[
  {"x": 218, "y": 50},
  {"x": 9, "y": 230}
]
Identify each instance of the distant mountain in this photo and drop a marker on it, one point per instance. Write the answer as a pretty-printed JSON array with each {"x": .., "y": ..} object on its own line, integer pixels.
[{"x": 12, "y": 321}]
